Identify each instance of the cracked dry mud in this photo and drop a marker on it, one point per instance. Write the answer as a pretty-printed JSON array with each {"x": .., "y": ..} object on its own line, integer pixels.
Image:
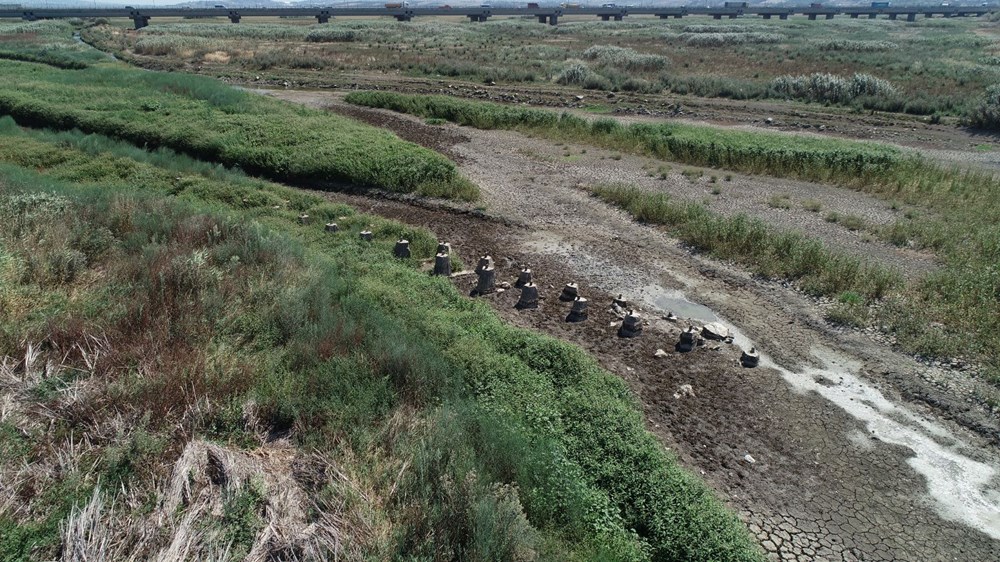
[{"x": 859, "y": 453}]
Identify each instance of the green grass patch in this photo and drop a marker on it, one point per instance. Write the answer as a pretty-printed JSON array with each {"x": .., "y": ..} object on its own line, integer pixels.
[
  {"x": 215, "y": 122},
  {"x": 752, "y": 243}
]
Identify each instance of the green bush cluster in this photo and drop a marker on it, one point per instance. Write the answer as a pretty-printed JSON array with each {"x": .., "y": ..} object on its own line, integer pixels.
[
  {"x": 986, "y": 115},
  {"x": 172, "y": 45},
  {"x": 730, "y": 39},
  {"x": 623, "y": 58},
  {"x": 45, "y": 56},
  {"x": 832, "y": 88},
  {"x": 720, "y": 28},
  {"x": 577, "y": 73},
  {"x": 856, "y": 46},
  {"x": 331, "y": 35}
]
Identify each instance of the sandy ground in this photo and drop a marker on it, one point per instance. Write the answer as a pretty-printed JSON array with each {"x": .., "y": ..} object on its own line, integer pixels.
[{"x": 835, "y": 448}]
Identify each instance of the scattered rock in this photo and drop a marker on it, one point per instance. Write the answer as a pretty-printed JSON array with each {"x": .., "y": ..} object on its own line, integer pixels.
[
  {"x": 660, "y": 353},
  {"x": 715, "y": 331},
  {"x": 749, "y": 458},
  {"x": 684, "y": 390}
]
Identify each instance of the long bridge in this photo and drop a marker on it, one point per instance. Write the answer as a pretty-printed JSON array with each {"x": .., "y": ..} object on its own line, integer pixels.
[{"x": 551, "y": 15}]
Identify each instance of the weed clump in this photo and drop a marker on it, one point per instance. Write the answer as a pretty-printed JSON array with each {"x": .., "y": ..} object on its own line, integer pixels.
[
  {"x": 577, "y": 73},
  {"x": 623, "y": 58},
  {"x": 856, "y": 46},
  {"x": 832, "y": 88},
  {"x": 730, "y": 39},
  {"x": 332, "y": 35},
  {"x": 986, "y": 115}
]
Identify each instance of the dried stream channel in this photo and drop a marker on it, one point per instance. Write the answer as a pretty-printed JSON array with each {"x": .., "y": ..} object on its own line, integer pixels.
[{"x": 858, "y": 452}]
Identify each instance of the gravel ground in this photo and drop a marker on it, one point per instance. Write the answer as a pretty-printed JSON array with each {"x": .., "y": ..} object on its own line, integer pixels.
[{"x": 855, "y": 452}]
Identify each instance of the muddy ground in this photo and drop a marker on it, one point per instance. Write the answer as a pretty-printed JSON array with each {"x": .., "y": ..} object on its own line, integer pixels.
[{"x": 836, "y": 448}]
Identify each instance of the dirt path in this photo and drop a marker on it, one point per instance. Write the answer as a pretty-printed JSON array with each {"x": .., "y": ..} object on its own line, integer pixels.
[{"x": 835, "y": 448}]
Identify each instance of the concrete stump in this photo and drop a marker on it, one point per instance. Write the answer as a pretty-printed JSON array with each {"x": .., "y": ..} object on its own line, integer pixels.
[
  {"x": 303, "y": 219},
  {"x": 402, "y": 249},
  {"x": 487, "y": 277},
  {"x": 523, "y": 278},
  {"x": 442, "y": 265},
  {"x": 484, "y": 262},
  {"x": 579, "y": 311},
  {"x": 631, "y": 325},
  {"x": 750, "y": 358},
  {"x": 529, "y": 297},
  {"x": 689, "y": 339},
  {"x": 569, "y": 292},
  {"x": 366, "y": 235},
  {"x": 444, "y": 248},
  {"x": 620, "y": 302},
  {"x": 332, "y": 227}
]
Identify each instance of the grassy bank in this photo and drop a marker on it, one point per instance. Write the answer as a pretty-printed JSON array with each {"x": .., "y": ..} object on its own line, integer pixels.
[
  {"x": 469, "y": 439},
  {"x": 755, "y": 245},
  {"x": 810, "y": 158},
  {"x": 215, "y": 122}
]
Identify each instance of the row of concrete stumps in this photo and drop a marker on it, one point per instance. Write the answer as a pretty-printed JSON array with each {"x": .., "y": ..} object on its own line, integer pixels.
[{"x": 631, "y": 325}]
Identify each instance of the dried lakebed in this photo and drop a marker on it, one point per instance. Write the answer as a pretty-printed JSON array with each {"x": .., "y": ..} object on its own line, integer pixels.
[{"x": 859, "y": 453}]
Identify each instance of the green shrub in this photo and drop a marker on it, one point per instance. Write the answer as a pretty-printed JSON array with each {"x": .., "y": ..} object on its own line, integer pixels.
[
  {"x": 623, "y": 58},
  {"x": 856, "y": 46},
  {"x": 831, "y": 88},
  {"x": 577, "y": 73},
  {"x": 331, "y": 35},
  {"x": 986, "y": 115},
  {"x": 730, "y": 39}
]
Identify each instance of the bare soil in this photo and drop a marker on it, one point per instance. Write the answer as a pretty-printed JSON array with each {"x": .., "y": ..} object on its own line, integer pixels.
[{"x": 836, "y": 448}]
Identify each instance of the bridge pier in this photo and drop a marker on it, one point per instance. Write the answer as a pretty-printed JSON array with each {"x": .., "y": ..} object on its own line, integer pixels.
[
  {"x": 812, "y": 17},
  {"x": 405, "y": 17},
  {"x": 829, "y": 16},
  {"x": 605, "y": 18},
  {"x": 716, "y": 16},
  {"x": 911, "y": 17},
  {"x": 892, "y": 16},
  {"x": 766, "y": 16},
  {"x": 854, "y": 16},
  {"x": 928, "y": 16},
  {"x": 872, "y": 16},
  {"x": 619, "y": 18},
  {"x": 234, "y": 16},
  {"x": 783, "y": 17},
  {"x": 553, "y": 19},
  {"x": 323, "y": 17}
]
